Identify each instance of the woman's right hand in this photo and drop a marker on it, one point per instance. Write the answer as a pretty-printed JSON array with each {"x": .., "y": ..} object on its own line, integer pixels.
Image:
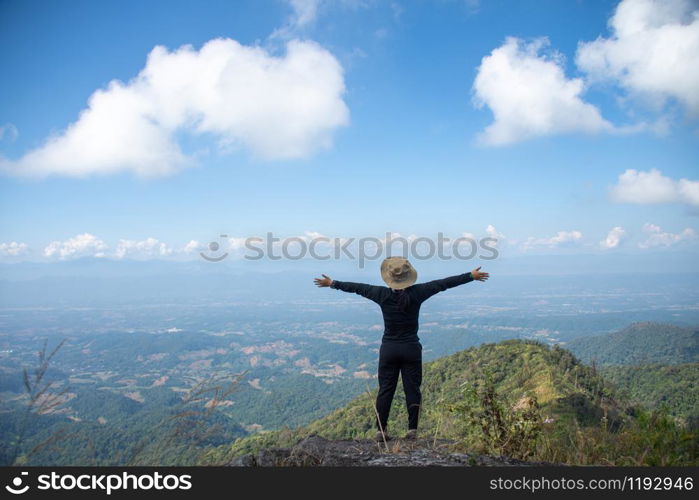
[{"x": 323, "y": 282}]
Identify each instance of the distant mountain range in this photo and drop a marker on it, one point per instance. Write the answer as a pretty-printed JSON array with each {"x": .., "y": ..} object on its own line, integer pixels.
[
  {"x": 640, "y": 343},
  {"x": 106, "y": 282}
]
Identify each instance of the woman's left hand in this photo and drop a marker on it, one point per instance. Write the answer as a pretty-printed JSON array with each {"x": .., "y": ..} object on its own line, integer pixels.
[{"x": 478, "y": 275}]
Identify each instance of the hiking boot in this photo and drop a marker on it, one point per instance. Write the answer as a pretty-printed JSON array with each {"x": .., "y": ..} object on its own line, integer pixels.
[
  {"x": 380, "y": 436},
  {"x": 411, "y": 435}
]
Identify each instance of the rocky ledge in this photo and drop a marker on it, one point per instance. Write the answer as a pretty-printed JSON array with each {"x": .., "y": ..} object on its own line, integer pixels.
[{"x": 317, "y": 451}]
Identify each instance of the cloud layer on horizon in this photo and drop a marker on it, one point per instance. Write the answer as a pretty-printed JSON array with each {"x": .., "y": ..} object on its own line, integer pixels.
[
  {"x": 560, "y": 239},
  {"x": 88, "y": 245}
]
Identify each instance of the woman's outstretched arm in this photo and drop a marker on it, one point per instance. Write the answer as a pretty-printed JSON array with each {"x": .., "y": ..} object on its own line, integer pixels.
[
  {"x": 427, "y": 290},
  {"x": 371, "y": 292}
]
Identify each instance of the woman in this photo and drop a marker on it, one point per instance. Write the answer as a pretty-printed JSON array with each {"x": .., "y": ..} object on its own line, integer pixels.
[{"x": 401, "y": 351}]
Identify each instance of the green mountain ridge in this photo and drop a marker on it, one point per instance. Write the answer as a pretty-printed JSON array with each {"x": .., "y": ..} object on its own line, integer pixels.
[{"x": 528, "y": 378}]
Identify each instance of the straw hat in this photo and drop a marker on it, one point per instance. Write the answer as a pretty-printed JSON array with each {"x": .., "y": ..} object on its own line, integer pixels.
[{"x": 398, "y": 273}]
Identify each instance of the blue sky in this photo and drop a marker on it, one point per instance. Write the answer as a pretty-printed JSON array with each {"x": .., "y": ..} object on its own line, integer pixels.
[{"x": 550, "y": 123}]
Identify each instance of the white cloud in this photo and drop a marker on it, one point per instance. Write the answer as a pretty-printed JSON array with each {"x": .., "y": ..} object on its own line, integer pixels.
[
  {"x": 13, "y": 249},
  {"x": 193, "y": 246},
  {"x": 493, "y": 233},
  {"x": 278, "y": 107},
  {"x": 614, "y": 237},
  {"x": 467, "y": 238},
  {"x": 562, "y": 238},
  {"x": 688, "y": 191},
  {"x": 658, "y": 238},
  {"x": 529, "y": 95},
  {"x": 82, "y": 245},
  {"x": 88, "y": 245},
  {"x": 148, "y": 248},
  {"x": 650, "y": 187},
  {"x": 653, "y": 51}
]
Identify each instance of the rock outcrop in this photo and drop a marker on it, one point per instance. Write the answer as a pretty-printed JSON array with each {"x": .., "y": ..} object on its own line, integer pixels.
[{"x": 317, "y": 451}]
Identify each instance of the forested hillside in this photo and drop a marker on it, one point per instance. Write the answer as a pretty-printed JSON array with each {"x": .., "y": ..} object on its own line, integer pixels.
[
  {"x": 673, "y": 387},
  {"x": 518, "y": 398}
]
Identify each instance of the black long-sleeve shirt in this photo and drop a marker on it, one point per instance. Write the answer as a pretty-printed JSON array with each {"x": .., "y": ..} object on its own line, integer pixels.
[{"x": 401, "y": 325}]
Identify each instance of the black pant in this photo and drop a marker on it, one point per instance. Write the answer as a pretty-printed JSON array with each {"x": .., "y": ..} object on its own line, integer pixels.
[{"x": 406, "y": 359}]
